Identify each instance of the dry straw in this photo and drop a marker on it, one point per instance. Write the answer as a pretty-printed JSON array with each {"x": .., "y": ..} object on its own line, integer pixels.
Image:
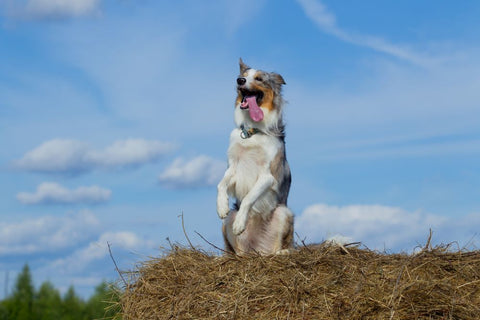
[{"x": 315, "y": 282}]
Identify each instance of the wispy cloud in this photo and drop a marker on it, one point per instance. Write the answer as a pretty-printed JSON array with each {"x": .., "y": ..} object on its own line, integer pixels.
[
  {"x": 51, "y": 9},
  {"x": 85, "y": 265},
  {"x": 326, "y": 21},
  {"x": 72, "y": 156},
  {"x": 97, "y": 250},
  {"x": 380, "y": 227},
  {"x": 238, "y": 13},
  {"x": 47, "y": 233},
  {"x": 197, "y": 172},
  {"x": 374, "y": 149},
  {"x": 53, "y": 193},
  {"x": 394, "y": 112}
]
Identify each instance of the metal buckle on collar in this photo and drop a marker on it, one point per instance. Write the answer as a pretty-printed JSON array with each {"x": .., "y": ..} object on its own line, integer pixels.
[{"x": 245, "y": 134}]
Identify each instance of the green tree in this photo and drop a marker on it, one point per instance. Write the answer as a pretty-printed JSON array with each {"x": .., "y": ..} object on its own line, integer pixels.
[
  {"x": 73, "y": 306},
  {"x": 103, "y": 303},
  {"x": 48, "y": 303},
  {"x": 21, "y": 302},
  {"x": 3, "y": 310}
]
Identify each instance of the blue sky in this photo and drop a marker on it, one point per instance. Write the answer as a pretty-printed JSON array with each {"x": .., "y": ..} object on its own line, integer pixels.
[{"x": 115, "y": 116}]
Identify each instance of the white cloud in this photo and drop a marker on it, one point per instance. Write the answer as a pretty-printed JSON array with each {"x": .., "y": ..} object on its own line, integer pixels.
[
  {"x": 197, "y": 172},
  {"x": 46, "y": 234},
  {"x": 326, "y": 21},
  {"x": 56, "y": 155},
  {"x": 376, "y": 226},
  {"x": 129, "y": 152},
  {"x": 71, "y": 156},
  {"x": 53, "y": 193}
]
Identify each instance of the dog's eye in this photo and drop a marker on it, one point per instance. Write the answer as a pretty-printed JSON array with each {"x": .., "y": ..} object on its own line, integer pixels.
[{"x": 259, "y": 79}]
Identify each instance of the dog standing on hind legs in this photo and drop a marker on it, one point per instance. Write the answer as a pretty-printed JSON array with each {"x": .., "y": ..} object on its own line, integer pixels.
[{"x": 258, "y": 176}]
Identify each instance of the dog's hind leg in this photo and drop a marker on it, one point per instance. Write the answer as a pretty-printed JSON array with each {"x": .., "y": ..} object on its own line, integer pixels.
[
  {"x": 228, "y": 246},
  {"x": 228, "y": 237},
  {"x": 282, "y": 221}
]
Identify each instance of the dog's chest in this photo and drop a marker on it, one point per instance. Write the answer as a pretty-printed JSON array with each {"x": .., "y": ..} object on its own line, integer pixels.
[{"x": 251, "y": 158}]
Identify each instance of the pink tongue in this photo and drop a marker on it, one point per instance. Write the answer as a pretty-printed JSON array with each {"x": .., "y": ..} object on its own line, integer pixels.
[{"x": 255, "y": 112}]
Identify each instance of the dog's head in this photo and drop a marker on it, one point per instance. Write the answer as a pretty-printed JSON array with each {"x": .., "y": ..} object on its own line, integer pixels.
[{"x": 258, "y": 94}]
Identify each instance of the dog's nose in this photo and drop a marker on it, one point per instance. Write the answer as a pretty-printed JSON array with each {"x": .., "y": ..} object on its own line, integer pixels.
[{"x": 241, "y": 81}]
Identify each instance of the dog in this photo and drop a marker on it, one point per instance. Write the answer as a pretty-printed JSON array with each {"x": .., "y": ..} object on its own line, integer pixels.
[{"x": 258, "y": 175}]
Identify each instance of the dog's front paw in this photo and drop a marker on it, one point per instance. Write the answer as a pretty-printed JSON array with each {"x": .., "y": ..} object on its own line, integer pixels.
[
  {"x": 223, "y": 212},
  {"x": 239, "y": 225},
  {"x": 222, "y": 207}
]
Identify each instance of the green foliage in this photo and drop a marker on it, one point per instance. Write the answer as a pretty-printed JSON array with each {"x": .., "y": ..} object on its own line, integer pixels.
[
  {"x": 23, "y": 295},
  {"x": 47, "y": 304},
  {"x": 3, "y": 310},
  {"x": 72, "y": 307},
  {"x": 103, "y": 303}
]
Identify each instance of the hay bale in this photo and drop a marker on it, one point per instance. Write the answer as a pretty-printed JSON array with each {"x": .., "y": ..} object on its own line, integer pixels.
[{"x": 321, "y": 282}]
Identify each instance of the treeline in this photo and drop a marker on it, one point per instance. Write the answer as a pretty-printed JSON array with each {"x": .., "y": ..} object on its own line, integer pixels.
[{"x": 26, "y": 303}]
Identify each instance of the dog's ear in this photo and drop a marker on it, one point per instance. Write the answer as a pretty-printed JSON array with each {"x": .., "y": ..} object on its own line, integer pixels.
[
  {"x": 277, "y": 78},
  {"x": 243, "y": 66}
]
